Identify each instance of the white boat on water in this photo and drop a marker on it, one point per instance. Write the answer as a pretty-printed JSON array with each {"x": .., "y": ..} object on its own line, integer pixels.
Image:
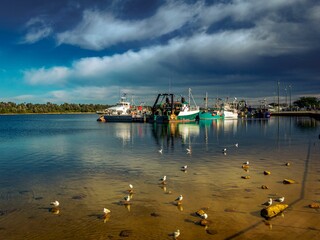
[
  {"x": 123, "y": 111},
  {"x": 230, "y": 112}
]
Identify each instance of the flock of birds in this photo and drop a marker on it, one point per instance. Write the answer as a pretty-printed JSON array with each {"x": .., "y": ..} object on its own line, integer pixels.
[{"x": 178, "y": 201}]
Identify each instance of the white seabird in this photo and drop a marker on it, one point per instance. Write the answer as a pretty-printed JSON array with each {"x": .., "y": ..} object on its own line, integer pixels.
[
  {"x": 280, "y": 199},
  {"x": 55, "y": 203},
  {"x": 179, "y": 199},
  {"x": 224, "y": 150},
  {"x": 106, "y": 211},
  {"x": 204, "y": 216},
  {"x": 269, "y": 202},
  {"x": 188, "y": 150},
  {"x": 184, "y": 168},
  {"x": 176, "y": 234},
  {"x": 160, "y": 151},
  {"x": 130, "y": 190},
  {"x": 163, "y": 179},
  {"x": 127, "y": 198},
  {"x": 236, "y": 145}
]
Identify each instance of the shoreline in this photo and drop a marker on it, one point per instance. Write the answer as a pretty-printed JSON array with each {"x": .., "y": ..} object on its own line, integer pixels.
[
  {"x": 313, "y": 114},
  {"x": 57, "y": 113}
]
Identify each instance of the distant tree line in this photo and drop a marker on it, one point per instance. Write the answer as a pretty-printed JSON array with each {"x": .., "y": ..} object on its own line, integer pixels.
[
  {"x": 10, "y": 107},
  {"x": 308, "y": 102}
]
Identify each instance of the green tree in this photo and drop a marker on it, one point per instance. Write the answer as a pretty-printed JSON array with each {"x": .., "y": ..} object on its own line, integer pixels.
[{"x": 307, "y": 102}]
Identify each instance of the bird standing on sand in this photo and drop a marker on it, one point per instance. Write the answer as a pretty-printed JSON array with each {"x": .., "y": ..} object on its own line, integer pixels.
[
  {"x": 280, "y": 199},
  {"x": 179, "y": 199},
  {"x": 163, "y": 179},
  {"x": 176, "y": 234},
  {"x": 268, "y": 203},
  {"x": 184, "y": 168},
  {"x": 204, "y": 216},
  {"x": 130, "y": 190},
  {"x": 127, "y": 198},
  {"x": 55, "y": 203},
  {"x": 106, "y": 211}
]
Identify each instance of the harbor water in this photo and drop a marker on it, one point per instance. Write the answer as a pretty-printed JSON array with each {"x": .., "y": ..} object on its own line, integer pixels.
[{"x": 88, "y": 165}]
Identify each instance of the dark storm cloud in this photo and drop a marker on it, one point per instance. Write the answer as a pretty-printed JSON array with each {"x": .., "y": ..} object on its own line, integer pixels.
[{"x": 231, "y": 47}]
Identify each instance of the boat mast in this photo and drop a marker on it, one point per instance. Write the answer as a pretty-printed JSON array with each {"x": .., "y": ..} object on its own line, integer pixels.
[
  {"x": 190, "y": 95},
  {"x": 206, "y": 101}
]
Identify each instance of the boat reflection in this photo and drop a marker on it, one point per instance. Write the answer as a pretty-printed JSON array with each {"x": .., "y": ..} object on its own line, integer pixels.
[
  {"x": 167, "y": 133},
  {"x": 123, "y": 132}
]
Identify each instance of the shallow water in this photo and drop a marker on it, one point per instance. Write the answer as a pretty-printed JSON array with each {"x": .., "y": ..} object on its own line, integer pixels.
[{"x": 88, "y": 165}]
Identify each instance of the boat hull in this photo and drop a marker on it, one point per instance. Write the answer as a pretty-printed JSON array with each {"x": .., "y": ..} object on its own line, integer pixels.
[
  {"x": 209, "y": 116},
  {"x": 185, "y": 117},
  {"x": 188, "y": 116},
  {"x": 124, "y": 118}
]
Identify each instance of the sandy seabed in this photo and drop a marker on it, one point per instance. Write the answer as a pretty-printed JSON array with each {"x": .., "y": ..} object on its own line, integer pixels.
[{"x": 233, "y": 204}]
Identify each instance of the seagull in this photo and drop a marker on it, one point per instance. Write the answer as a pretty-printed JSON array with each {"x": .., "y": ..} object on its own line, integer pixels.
[
  {"x": 184, "y": 168},
  {"x": 176, "y": 234},
  {"x": 106, "y": 211},
  {"x": 188, "y": 150},
  {"x": 163, "y": 179},
  {"x": 268, "y": 203},
  {"x": 127, "y": 198},
  {"x": 131, "y": 188},
  {"x": 224, "y": 150},
  {"x": 55, "y": 203},
  {"x": 236, "y": 145},
  {"x": 160, "y": 151},
  {"x": 280, "y": 199},
  {"x": 179, "y": 199},
  {"x": 204, "y": 216}
]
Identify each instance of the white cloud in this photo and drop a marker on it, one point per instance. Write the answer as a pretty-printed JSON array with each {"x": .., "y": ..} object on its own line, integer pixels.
[
  {"x": 232, "y": 47},
  {"x": 99, "y": 30},
  {"x": 50, "y": 76},
  {"x": 37, "y": 29},
  {"x": 179, "y": 59}
]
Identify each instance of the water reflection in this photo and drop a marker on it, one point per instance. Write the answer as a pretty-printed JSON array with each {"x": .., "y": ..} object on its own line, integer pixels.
[
  {"x": 307, "y": 123},
  {"x": 171, "y": 131}
]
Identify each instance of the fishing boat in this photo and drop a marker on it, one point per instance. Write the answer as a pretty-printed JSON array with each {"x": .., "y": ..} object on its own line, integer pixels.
[
  {"x": 123, "y": 111},
  {"x": 165, "y": 109},
  {"x": 208, "y": 114},
  {"x": 229, "y": 110}
]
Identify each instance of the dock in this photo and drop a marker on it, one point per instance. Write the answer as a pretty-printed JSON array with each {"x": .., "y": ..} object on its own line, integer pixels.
[{"x": 313, "y": 114}]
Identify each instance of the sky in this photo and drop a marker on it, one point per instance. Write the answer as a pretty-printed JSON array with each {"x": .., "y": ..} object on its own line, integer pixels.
[{"x": 93, "y": 51}]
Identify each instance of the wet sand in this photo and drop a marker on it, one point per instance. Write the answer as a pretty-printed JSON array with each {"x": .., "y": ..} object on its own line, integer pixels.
[{"x": 232, "y": 203}]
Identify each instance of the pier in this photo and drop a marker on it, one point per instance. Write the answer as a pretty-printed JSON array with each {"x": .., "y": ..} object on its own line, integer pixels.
[{"x": 313, "y": 114}]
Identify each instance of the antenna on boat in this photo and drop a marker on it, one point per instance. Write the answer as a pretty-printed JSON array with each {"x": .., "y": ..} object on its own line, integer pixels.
[{"x": 206, "y": 101}]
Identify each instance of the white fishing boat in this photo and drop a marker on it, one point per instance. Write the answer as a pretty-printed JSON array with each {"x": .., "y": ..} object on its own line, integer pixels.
[
  {"x": 230, "y": 114},
  {"x": 123, "y": 111},
  {"x": 230, "y": 111}
]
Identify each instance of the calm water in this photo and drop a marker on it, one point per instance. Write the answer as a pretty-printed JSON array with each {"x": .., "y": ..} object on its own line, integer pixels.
[{"x": 87, "y": 165}]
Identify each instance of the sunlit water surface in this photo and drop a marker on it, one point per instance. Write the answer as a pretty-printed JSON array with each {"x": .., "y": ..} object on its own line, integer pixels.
[{"x": 87, "y": 166}]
